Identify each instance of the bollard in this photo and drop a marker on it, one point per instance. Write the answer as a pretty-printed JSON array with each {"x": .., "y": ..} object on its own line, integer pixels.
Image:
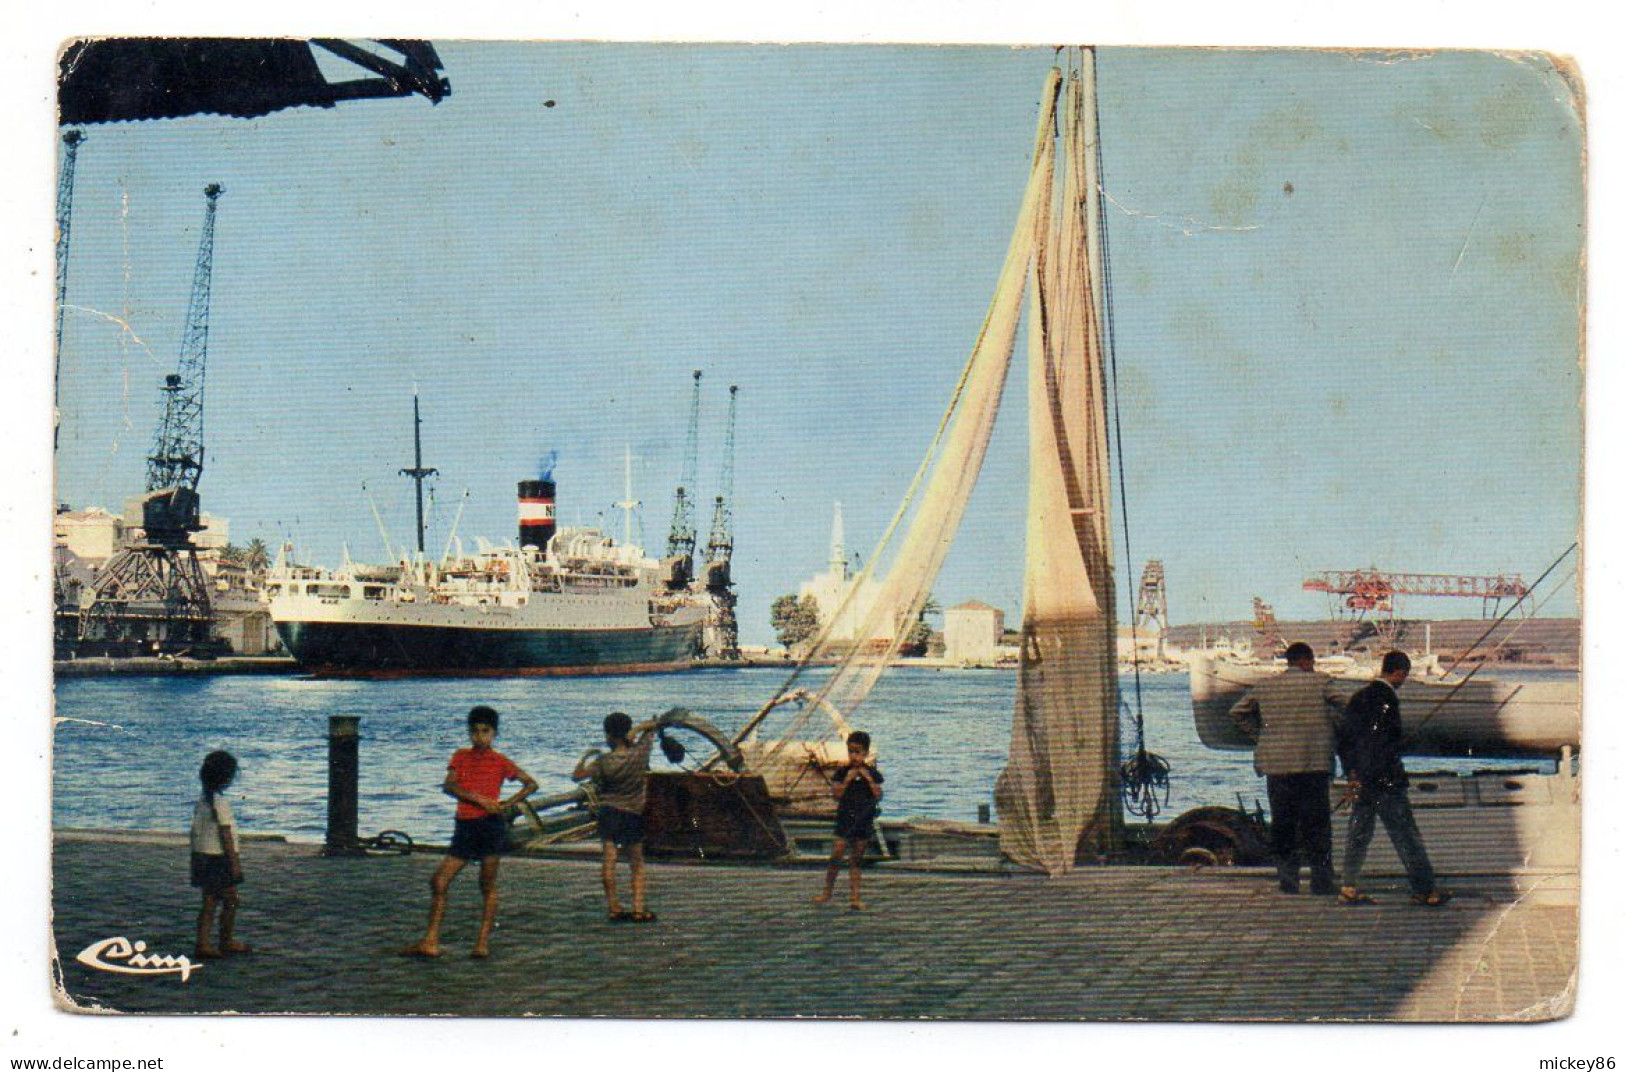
[
  {"x": 984, "y": 813},
  {"x": 343, "y": 785}
]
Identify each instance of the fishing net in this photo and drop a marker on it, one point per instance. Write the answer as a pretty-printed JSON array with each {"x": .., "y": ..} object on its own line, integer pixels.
[
  {"x": 932, "y": 509},
  {"x": 1056, "y": 797}
]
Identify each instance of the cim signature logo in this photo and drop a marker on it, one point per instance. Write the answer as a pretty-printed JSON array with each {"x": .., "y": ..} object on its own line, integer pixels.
[{"x": 131, "y": 958}]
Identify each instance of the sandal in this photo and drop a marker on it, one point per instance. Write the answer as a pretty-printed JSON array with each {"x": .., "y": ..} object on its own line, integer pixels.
[
  {"x": 621, "y": 917},
  {"x": 1431, "y": 900},
  {"x": 1348, "y": 895},
  {"x": 643, "y": 917}
]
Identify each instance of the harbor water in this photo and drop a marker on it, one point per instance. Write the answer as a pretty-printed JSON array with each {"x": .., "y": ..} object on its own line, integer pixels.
[{"x": 127, "y": 749}]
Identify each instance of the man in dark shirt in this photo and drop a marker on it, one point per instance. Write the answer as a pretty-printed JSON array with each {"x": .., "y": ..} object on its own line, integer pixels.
[{"x": 1370, "y": 742}]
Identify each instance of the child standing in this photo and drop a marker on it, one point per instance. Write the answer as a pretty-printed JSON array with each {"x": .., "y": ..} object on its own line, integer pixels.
[
  {"x": 216, "y": 868},
  {"x": 622, "y": 780},
  {"x": 474, "y": 776},
  {"x": 857, "y": 792}
]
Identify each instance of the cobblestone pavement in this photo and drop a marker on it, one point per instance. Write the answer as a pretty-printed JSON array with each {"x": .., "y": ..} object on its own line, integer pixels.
[{"x": 1115, "y": 943}]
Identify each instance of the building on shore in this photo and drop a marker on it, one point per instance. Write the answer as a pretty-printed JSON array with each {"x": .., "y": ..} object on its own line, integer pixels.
[
  {"x": 86, "y": 540},
  {"x": 973, "y": 634},
  {"x": 1139, "y": 644},
  {"x": 92, "y": 535},
  {"x": 845, "y": 598}
]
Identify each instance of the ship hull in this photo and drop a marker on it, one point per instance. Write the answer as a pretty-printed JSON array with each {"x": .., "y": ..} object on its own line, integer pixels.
[{"x": 358, "y": 648}]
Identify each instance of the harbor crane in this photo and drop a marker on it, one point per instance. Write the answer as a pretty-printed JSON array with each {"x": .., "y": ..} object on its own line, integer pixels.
[
  {"x": 1151, "y": 607},
  {"x": 65, "y": 588},
  {"x": 71, "y": 141},
  {"x": 1372, "y": 595},
  {"x": 719, "y": 549},
  {"x": 152, "y": 597},
  {"x": 1268, "y": 629},
  {"x": 680, "y": 542}
]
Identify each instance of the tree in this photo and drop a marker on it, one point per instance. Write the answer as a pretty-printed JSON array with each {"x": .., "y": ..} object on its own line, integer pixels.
[
  {"x": 795, "y": 620},
  {"x": 257, "y": 557},
  {"x": 919, "y": 637}
]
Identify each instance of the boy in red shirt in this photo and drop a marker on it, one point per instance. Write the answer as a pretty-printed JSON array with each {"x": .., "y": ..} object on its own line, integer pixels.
[{"x": 474, "y": 776}]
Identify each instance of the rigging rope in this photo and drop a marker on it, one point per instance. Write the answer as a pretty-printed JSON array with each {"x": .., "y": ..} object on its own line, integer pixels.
[
  {"x": 938, "y": 491},
  {"x": 1439, "y": 706},
  {"x": 1144, "y": 778},
  {"x": 1145, "y": 774},
  {"x": 847, "y": 600}
]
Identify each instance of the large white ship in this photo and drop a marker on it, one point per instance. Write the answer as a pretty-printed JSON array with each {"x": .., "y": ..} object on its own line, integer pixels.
[{"x": 561, "y": 601}]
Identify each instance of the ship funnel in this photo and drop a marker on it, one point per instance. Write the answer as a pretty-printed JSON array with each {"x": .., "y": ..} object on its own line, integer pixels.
[{"x": 537, "y": 514}]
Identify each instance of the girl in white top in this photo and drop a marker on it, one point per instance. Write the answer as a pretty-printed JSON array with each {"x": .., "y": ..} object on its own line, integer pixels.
[{"x": 216, "y": 867}]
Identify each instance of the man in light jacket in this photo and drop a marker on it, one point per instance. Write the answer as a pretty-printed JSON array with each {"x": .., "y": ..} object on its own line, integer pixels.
[{"x": 1293, "y": 718}]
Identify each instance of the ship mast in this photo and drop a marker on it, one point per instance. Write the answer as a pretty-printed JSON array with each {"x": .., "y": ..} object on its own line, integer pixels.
[
  {"x": 628, "y": 504},
  {"x": 418, "y": 472}
]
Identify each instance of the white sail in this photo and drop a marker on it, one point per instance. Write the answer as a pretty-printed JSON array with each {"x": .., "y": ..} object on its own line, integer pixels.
[
  {"x": 942, "y": 486},
  {"x": 1056, "y": 796}
]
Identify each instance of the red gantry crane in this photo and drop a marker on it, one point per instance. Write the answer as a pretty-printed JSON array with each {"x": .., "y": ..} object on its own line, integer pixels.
[{"x": 1372, "y": 595}]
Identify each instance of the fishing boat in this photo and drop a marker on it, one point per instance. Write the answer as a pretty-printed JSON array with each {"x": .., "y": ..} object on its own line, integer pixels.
[
  {"x": 1058, "y": 796},
  {"x": 1069, "y": 782},
  {"x": 1445, "y": 716}
]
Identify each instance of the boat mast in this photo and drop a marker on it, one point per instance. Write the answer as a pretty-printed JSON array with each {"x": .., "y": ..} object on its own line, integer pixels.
[
  {"x": 417, "y": 472},
  {"x": 628, "y": 504}
]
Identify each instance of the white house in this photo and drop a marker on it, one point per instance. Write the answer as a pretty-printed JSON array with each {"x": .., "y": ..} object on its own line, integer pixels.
[{"x": 971, "y": 633}]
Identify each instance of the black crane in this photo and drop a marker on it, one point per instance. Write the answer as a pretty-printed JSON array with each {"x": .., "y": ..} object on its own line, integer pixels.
[
  {"x": 65, "y": 586},
  {"x": 680, "y": 542},
  {"x": 719, "y": 549},
  {"x": 64, "y": 226},
  {"x": 152, "y": 597}
]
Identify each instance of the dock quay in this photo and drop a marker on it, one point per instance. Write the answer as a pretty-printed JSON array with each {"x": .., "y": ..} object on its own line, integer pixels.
[
  {"x": 101, "y": 666},
  {"x": 1117, "y": 943}
]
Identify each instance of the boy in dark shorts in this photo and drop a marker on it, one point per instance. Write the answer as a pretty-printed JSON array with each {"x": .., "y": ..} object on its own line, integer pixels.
[
  {"x": 857, "y": 792},
  {"x": 621, "y": 779},
  {"x": 474, "y": 776}
]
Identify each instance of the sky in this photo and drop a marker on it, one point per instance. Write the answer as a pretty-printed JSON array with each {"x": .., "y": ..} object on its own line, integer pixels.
[{"x": 1345, "y": 295}]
